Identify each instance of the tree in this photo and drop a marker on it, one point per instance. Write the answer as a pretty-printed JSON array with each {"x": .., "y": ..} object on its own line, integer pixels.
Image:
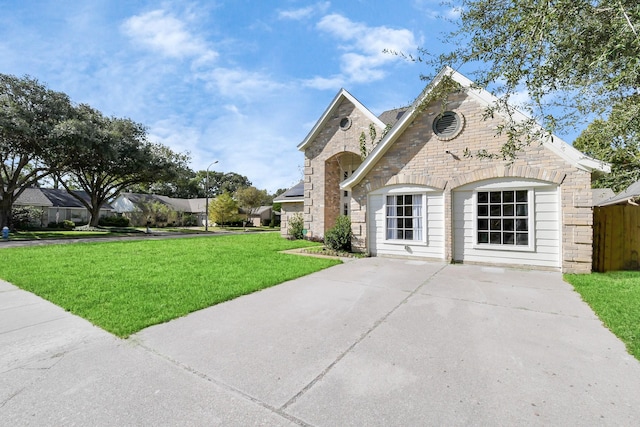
[
  {"x": 185, "y": 185},
  {"x": 28, "y": 113},
  {"x": 109, "y": 155},
  {"x": 617, "y": 141},
  {"x": 582, "y": 56},
  {"x": 250, "y": 198},
  {"x": 223, "y": 209},
  {"x": 220, "y": 182}
]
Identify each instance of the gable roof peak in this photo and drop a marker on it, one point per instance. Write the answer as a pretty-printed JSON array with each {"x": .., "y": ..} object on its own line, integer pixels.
[{"x": 342, "y": 94}]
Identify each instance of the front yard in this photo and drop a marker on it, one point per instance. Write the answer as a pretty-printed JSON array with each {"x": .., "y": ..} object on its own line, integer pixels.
[{"x": 124, "y": 287}]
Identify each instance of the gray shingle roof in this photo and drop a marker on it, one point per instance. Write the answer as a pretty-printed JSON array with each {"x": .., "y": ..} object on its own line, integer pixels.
[
  {"x": 33, "y": 197},
  {"x": 632, "y": 192},
  {"x": 62, "y": 199},
  {"x": 293, "y": 194}
]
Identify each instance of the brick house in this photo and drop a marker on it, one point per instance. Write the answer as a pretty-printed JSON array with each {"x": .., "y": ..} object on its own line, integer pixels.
[{"x": 425, "y": 189}]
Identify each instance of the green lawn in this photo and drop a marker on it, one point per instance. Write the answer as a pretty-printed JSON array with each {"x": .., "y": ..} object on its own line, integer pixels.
[
  {"x": 615, "y": 297},
  {"x": 124, "y": 287}
]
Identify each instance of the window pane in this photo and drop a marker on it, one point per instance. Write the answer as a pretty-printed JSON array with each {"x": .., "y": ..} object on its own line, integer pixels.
[
  {"x": 507, "y": 210},
  {"x": 507, "y": 238},
  {"x": 496, "y": 224},
  {"x": 483, "y": 210},
  {"x": 483, "y": 224},
  {"x": 408, "y": 223},
  {"x": 494, "y": 238},
  {"x": 408, "y": 199},
  {"x": 522, "y": 210},
  {"x": 507, "y": 196},
  {"x": 399, "y": 200},
  {"x": 507, "y": 224},
  {"x": 408, "y": 235},
  {"x": 522, "y": 239},
  {"x": 400, "y": 211},
  {"x": 495, "y": 210},
  {"x": 522, "y": 225},
  {"x": 483, "y": 237},
  {"x": 483, "y": 197},
  {"x": 495, "y": 197},
  {"x": 521, "y": 196}
]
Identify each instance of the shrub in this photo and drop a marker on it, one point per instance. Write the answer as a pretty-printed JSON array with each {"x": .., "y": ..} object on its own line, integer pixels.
[
  {"x": 114, "y": 221},
  {"x": 338, "y": 238},
  {"x": 296, "y": 226}
]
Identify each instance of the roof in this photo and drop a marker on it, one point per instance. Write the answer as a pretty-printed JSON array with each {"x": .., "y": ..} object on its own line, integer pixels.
[
  {"x": 180, "y": 205},
  {"x": 61, "y": 198},
  {"x": 33, "y": 197},
  {"x": 599, "y": 195},
  {"x": 391, "y": 117},
  {"x": 329, "y": 114},
  {"x": 294, "y": 194},
  {"x": 632, "y": 192},
  {"x": 554, "y": 143}
]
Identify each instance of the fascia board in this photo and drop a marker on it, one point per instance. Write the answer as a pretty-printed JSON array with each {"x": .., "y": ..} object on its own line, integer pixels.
[{"x": 342, "y": 94}]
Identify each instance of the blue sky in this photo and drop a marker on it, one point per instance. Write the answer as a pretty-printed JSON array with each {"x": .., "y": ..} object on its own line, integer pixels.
[{"x": 241, "y": 82}]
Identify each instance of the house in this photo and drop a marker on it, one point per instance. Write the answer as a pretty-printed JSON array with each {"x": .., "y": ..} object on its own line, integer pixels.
[
  {"x": 291, "y": 203},
  {"x": 136, "y": 206},
  {"x": 260, "y": 216},
  {"x": 430, "y": 188},
  {"x": 58, "y": 205},
  {"x": 630, "y": 195}
]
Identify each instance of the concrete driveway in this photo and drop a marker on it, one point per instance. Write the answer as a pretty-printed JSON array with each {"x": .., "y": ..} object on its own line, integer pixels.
[{"x": 372, "y": 342}]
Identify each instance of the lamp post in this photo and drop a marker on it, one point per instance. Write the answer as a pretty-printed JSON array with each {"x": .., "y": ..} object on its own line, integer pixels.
[{"x": 206, "y": 198}]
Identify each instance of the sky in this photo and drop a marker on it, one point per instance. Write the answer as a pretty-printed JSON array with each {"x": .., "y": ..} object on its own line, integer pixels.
[{"x": 235, "y": 81}]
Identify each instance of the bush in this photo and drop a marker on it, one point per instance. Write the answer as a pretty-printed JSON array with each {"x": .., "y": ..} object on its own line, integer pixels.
[
  {"x": 296, "y": 226},
  {"x": 338, "y": 238},
  {"x": 64, "y": 225},
  {"x": 114, "y": 221}
]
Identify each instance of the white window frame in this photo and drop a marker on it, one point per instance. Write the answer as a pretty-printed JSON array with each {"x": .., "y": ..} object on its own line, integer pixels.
[
  {"x": 530, "y": 247},
  {"x": 423, "y": 217}
]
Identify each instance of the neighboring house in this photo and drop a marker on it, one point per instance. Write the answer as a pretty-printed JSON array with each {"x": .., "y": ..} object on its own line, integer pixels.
[
  {"x": 429, "y": 190},
  {"x": 631, "y": 195},
  {"x": 599, "y": 195},
  {"x": 58, "y": 205},
  {"x": 67, "y": 207},
  {"x": 260, "y": 216},
  {"x": 135, "y": 207},
  {"x": 291, "y": 202}
]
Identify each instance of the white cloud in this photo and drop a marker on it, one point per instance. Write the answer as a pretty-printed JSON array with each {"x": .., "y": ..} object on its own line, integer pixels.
[
  {"x": 168, "y": 35},
  {"x": 305, "y": 12},
  {"x": 241, "y": 83},
  {"x": 365, "y": 46},
  {"x": 323, "y": 83}
]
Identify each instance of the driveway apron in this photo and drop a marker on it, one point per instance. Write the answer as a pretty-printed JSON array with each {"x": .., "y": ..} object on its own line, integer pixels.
[{"x": 375, "y": 341}]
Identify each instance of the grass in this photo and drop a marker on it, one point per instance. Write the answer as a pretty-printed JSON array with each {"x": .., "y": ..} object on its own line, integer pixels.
[
  {"x": 124, "y": 287},
  {"x": 42, "y": 235},
  {"x": 615, "y": 298}
]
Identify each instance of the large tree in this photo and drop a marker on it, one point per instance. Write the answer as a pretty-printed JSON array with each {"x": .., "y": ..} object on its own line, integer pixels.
[
  {"x": 580, "y": 57},
  {"x": 110, "y": 154},
  {"x": 29, "y": 111},
  {"x": 250, "y": 198},
  {"x": 617, "y": 141}
]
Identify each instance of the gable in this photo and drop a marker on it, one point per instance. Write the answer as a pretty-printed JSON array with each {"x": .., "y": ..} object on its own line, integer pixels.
[
  {"x": 342, "y": 98},
  {"x": 478, "y": 132}
]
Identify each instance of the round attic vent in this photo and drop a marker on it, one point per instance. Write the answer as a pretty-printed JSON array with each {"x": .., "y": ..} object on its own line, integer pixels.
[
  {"x": 345, "y": 123},
  {"x": 448, "y": 125}
]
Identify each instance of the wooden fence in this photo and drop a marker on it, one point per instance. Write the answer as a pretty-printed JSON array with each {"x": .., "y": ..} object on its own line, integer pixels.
[{"x": 616, "y": 238}]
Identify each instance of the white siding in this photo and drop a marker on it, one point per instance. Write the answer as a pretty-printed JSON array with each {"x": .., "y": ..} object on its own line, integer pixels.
[
  {"x": 434, "y": 227},
  {"x": 546, "y": 215}
]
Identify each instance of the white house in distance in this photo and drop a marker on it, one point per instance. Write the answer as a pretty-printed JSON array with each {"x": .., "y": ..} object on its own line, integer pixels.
[{"x": 429, "y": 190}]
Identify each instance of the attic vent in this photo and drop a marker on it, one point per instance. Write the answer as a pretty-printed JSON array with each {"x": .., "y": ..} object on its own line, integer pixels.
[
  {"x": 345, "y": 123},
  {"x": 448, "y": 125}
]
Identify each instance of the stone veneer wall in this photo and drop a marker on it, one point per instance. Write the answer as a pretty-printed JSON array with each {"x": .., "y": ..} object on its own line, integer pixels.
[
  {"x": 287, "y": 210},
  {"x": 322, "y": 172},
  {"x": 419, "y": 157}
]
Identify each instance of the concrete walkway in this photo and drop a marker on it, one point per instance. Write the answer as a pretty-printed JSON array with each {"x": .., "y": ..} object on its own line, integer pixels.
[{"x": 372, "y": 342}]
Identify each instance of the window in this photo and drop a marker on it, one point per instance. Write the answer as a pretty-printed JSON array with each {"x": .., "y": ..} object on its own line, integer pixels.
[
  {"x": 503, "y": 218},
  {"x": 404, "y": 217},
  {"x": 345, "y": 123}
]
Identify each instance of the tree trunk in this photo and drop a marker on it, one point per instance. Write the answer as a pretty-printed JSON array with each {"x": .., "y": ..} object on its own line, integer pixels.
[
  {"x": 95, "y": 216},
  {"x": 6, "y": 203}
]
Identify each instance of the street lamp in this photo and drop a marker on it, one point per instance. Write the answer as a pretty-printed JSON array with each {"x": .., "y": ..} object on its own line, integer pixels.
[{"x": 206, "y": 197}]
